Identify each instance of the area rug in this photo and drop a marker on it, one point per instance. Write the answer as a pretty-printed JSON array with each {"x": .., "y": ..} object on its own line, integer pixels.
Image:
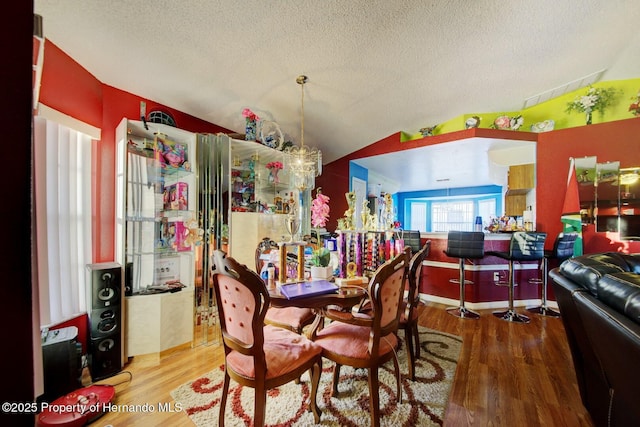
[{"x": 424, "y": 400}]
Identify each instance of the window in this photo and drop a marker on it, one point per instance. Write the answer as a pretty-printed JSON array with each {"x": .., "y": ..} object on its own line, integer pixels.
[
  {"x": 62, "y": 182},
  {"x": 456, "y": 215},
  {"x": 439, "y": 214},
  {"x": 487, "y": 210},
  {"x": 418, "y": 216}
]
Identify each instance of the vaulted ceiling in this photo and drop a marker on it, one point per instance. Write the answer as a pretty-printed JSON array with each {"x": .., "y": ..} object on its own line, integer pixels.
[{"x": 374, "y": 67}]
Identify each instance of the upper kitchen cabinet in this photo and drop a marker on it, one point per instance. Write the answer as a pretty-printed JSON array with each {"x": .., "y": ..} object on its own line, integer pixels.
[{"x": 521, "y": 179}]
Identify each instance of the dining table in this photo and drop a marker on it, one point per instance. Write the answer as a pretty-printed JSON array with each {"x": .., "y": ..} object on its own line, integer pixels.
[{"x": 345, "y": 297}]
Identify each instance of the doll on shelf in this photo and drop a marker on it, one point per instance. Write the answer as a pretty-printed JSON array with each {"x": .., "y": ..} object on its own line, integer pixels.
[{"x": 174, "y": 155}]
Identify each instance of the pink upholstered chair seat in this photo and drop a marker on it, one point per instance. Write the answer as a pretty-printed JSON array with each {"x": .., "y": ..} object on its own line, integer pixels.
[
  {"x": 284, "y": 350},
  {"x": 352, "y": 340},
  {"x": 290, "y": 317}
]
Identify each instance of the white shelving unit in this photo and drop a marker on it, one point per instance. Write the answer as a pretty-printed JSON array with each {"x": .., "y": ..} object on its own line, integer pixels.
[{"x": 157, "y": 196}]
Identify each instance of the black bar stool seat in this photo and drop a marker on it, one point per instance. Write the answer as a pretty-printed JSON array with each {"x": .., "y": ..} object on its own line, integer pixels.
[
  {"x": 524, "y": 246},
  {"x": 562, "y": 250},
  {"x": 464, "y": 245}
]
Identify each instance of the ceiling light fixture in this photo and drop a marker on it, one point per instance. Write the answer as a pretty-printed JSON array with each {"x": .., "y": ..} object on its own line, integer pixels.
[{"x": 303, "y": 163}]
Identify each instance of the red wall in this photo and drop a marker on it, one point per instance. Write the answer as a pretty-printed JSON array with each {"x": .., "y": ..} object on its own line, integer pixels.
[
  {"x": 612, "y": 141},
  {"x": 69, "y": 88},
  {"x": 72, "y": 90}
]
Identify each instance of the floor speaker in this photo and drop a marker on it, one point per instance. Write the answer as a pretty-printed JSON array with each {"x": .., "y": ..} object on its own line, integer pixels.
[
  {"x": 105, "y": 356},
  {"x": 105, "y": 321},
  {"x": 105, "y": 307}
]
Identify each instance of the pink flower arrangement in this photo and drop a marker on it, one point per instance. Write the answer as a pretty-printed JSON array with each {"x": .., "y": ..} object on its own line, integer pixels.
[
  {"x": 319, "y": 209},
  {"x": 274, "y": 165},
  {"x": 250, "y": 115},
  {"x": 502, "y": 122}
]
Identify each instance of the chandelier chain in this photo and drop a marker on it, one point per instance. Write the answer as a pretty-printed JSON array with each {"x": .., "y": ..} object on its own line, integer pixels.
[{"x": 301, "y": 80}]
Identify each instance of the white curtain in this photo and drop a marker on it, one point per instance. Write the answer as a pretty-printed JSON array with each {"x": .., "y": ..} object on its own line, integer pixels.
[{"x": 62, "y": 184}]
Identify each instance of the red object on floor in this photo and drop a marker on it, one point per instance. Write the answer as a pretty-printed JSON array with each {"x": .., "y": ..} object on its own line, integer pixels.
[{"x": 77, "y": 408}]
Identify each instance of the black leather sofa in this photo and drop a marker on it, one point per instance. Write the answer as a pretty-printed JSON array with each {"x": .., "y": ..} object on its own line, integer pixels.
[{"x": 599, "y": 299}]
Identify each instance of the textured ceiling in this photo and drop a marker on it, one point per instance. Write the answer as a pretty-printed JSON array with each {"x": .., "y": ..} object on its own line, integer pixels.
[{"x": 374, "y": 67}]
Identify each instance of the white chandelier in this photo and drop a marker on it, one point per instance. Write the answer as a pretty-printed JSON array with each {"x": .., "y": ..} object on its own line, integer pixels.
[{"x": 303, "y": 163}]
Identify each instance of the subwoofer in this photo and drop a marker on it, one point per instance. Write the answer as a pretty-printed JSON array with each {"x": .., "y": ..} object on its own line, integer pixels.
[{"x": 105, "y": 307}]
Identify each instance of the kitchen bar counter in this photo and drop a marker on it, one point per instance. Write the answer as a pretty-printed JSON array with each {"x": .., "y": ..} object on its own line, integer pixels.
[{"x": 484, "y": 293}]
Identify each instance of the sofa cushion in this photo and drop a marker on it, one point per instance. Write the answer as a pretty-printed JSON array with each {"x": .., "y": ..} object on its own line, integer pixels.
[
  {"x": 633, "y": 261},
  {"x": 621, "y": 292},
  {"x": 587, "y": 270},
  {"x": 625, "y": 261}
]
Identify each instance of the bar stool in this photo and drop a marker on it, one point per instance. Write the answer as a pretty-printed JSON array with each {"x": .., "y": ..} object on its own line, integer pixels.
[
  {"x": 562, "y": 250},
  {"x": 524, "y": 246},
  {"x": 464, "y": 245}
]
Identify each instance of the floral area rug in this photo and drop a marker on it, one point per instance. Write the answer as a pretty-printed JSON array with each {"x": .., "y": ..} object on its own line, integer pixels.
[{"x": 424, "y": 400}]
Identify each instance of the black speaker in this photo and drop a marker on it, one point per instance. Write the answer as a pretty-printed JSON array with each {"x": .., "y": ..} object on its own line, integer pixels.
[
  {"x": 104, "y": 306},
  {"x": 105, "y": 321},
  {"x": 105, "y": 286},
  {"x": 106, "y": 356}
]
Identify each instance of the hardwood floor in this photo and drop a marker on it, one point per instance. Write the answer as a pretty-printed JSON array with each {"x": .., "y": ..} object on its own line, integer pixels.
[{"x": 508, "y": 374}]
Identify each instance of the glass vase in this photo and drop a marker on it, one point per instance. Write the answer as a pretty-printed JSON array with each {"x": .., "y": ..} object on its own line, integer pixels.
[
  {"x": 273, "y": 175},
  {"x": 250, "y": 130},
  {"x": 589, "y": 117}
]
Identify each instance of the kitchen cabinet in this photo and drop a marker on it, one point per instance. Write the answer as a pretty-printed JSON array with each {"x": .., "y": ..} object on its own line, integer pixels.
[
  {"x": 515, "y": 204},
  {"x": 521, "y": 180}
]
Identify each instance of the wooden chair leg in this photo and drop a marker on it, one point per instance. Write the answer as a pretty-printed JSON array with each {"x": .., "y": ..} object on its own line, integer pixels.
[
  {"x": 314, "y": 374},
  {"x": 408, "y": 339},
  {"x": 374, "y": 397},
  {"x": 416, "y": 338},
  {"x": 223, "y": 399},
  {"x": 396, "y": 364},
  {"x": 336, "y": 378},
  {"x": 260, "y": 407}
]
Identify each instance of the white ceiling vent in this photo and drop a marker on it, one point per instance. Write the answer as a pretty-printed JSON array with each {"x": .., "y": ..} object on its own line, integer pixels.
[{"x": 561, "y": 90}]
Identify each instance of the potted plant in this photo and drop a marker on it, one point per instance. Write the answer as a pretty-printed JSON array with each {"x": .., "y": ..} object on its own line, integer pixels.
[{"x": 320, "y": 268}]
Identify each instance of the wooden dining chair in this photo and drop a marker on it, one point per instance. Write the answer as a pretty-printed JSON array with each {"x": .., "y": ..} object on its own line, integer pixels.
[
  {"x": 369, "y": 341},
  {"x": 293, "y": 318},
  {"x": 257, "y": 355},
  {"x": 409, "y": 312}
]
